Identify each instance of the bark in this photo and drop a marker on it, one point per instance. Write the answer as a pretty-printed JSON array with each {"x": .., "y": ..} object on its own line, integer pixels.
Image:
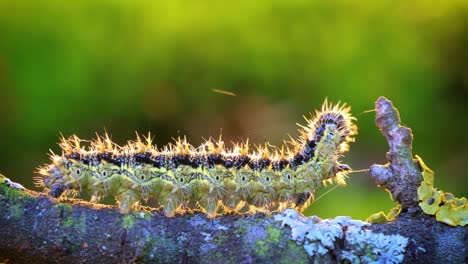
[{"x": 35, "y": 228}]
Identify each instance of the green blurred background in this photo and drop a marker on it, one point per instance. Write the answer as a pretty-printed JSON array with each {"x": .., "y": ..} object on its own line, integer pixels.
[{"x": 125, "y": 66}]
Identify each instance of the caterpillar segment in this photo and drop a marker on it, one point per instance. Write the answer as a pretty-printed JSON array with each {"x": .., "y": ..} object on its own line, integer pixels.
[{"x": 211, "y": 178}]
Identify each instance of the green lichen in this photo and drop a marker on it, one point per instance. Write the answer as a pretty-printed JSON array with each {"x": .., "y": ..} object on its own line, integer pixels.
[
  {"x": 242, "y": 227},
  {"x": 16, "y": 211},
  {"x": 261, "y": 248},
  {"x": 66, "y": 212},
  {"x": 80, "y": 225},
  {"x": 143, "y": 215},
  {"x": 14, "y": 195},
  {"x": 149, "y": 245},
  {"x": 220, "y": 238},
  {"x": 291, "y": 252},
  {"x": 17, "y": 198},
  {"x": 128, "y": 221},
  {"x": 160, "y": 249},
  {"x": 273, "y": 238},
  {"x": 64, "y": 206},
  {"x": 240, "y": 231},
  {"x": 274, "y": 234},
  {"x": 295, "y": 254},
  {"x": 68, "y": 221}
]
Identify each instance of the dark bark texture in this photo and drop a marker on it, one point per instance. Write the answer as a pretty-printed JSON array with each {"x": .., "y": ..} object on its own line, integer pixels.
[{"x": 35, "y": 228}]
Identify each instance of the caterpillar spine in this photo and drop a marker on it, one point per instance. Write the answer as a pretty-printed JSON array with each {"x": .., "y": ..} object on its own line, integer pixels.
[{"x": 211, "y": 178}]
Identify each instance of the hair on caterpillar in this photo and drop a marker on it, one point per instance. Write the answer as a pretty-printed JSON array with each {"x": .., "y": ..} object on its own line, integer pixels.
[
  {"x": 212, "y": 177},
  {"x": 334, "y": 187},
  {"x": 356, "y": 171}
]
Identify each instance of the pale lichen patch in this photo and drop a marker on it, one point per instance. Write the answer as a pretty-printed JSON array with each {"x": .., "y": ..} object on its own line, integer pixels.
[{"x": 359, "y": 245}]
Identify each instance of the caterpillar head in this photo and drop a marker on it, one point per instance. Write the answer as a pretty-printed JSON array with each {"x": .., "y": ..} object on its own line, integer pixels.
[{"x": 337, "y": 115}]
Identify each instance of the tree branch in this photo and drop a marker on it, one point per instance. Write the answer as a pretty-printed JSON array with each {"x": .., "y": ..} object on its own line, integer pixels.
[
  {"x": 401, "y": 176},
  {"x": 35, "y": 228}
]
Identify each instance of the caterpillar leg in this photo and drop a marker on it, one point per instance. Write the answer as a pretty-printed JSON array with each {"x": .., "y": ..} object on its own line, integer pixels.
[
  {"x": 127, "y": 201},
  {"x": 170, "y": 203},
  {"x": 303, "y": 201},
  {"x": 232, "y": 202},
  {"x": 96, "y": 196},
  {"x": 262, "y": 202},
  {"x": 210, "y": 205}
]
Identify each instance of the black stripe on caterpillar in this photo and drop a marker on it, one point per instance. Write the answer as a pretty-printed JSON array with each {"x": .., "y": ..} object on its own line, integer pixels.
[{"x": 211, "y": 177}]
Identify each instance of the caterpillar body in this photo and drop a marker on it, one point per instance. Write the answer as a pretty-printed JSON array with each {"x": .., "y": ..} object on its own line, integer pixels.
[{"x": 211, "y": 177}]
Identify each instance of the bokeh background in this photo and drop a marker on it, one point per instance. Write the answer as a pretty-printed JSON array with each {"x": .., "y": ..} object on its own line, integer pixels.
[{"x": 124, "y": 66}]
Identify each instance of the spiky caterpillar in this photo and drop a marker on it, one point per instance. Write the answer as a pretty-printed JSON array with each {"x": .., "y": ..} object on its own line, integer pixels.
[{"x": 211, "y": 177}]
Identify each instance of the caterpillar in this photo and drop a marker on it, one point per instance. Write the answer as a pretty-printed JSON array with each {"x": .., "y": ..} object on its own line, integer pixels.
[{"x": 211, "y": 177}]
